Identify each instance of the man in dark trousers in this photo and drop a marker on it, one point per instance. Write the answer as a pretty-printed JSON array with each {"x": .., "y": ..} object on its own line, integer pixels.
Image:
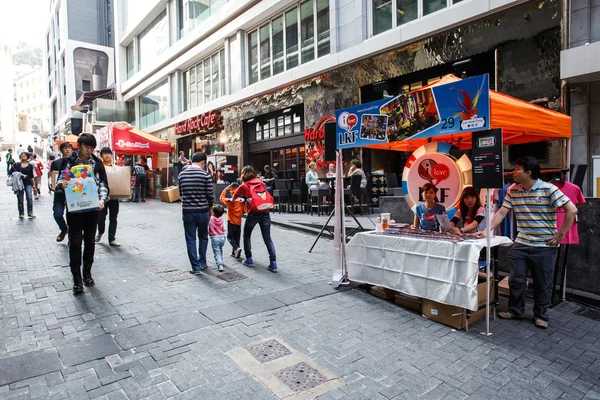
[
  {"x": 66, "y": 149},
  {"x": 140, "y": 170},
  {"x": 111, "y": 207},
  {"x": 197, "y": 197},
  {"x": 9, "y": 160},
  {"x": 82, "y": 225}
]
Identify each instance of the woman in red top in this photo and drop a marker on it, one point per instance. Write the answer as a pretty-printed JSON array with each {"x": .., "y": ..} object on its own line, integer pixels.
[{"x": 262, "y": 218}]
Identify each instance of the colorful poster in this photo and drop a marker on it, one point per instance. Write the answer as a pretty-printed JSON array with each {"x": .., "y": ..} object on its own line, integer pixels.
[
  {"x": 81, "y": 191},
  {"x": 91, "y": 70},
  {"x": 456, "y": 107}
]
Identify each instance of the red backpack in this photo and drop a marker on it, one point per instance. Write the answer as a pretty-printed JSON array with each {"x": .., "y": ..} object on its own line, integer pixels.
[{"x": 260, "y": 198}]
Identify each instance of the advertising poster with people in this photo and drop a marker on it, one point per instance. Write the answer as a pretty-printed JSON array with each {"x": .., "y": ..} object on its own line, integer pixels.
[{"x": 457, "y": 107}]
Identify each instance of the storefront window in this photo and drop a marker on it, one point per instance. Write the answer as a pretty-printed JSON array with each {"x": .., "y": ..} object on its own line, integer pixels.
[
  {"x": 154, "y": 105},
  {"x": 205, "y": 81},
  {"x": 130, "y": 112},
  {"x": 130, "y": 60},
  {"x": 265, "y": 52},
  {"x": 193, "y": 12},
  {"x": 153, "y": 41},
  {"x": 406, "y": 11},
  {"x": 382, "y": 16},
  {"x": 274, "y": 47},
  {"x": 430, "y": 6}
]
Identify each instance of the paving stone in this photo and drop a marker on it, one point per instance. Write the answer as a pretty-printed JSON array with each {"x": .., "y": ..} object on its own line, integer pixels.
[
  {"x": 321, "y": 288},
  {"x": 28, "y": 365},
  {"x": 183, "y": 323},
  {"x": 291, "y": 296},
  {"x": 140, "y": 335},
  {"x": 259, "y": 304},
  {"x": 88, "y": 349},
  {"x": 225, "y": 312}
]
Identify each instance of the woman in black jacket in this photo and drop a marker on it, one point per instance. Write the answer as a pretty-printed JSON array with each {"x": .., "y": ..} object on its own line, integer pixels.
[{"x": 26, "y": 171}]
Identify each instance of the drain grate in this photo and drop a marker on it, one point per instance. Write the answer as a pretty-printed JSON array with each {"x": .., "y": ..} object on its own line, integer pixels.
[
  {"x": 268, "y": 351},
  {"x": 300, "y": 377},
  {"x": 589, "y": 313},
  {"x": 176, "y": 276},
  {"x": 232, "y": 276}
]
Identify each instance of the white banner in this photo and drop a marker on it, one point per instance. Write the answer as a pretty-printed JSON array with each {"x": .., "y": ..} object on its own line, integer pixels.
[{"x": 339, "y": 231}]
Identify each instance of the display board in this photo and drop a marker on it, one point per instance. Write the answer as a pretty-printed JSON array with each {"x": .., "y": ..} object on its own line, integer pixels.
[{"x": 487, "y": 159}]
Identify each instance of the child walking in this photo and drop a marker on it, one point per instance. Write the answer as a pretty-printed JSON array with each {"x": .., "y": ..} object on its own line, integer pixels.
[
  {"x": 235, "y": 211},
  {"x": 216, "y": 231}
]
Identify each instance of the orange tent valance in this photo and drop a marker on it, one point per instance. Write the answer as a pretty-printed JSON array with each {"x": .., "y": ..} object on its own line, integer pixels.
[
  {"x": 69, "y": 138},
  {"x": 521, "y": 122}
]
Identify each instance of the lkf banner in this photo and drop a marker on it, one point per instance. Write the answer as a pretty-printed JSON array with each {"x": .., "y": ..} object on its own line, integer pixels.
[{"x": 456, "y": 107}]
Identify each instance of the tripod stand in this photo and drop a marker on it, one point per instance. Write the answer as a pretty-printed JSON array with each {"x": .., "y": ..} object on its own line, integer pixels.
[{"x": 324, "y": 228}]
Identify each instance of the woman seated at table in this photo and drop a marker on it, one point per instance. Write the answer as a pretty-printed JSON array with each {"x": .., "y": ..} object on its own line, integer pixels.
[
  {"x": 470, "y": 213},
  {"x": 313, "y": 182},
  {"x": 425, "y": 214},
  {"x": 331, "y": 172}
]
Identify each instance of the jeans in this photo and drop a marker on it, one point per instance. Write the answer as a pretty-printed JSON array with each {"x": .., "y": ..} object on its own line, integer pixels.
[
  {"x": 112, "y": 208},
  {"x": 233, "y": 235},
  {"x": 140, "y": 185},
  {"x": 196, "y": 224},
  {"x": 540, "y": 261},
  {"x": 263, "y": 219},
  {"x": 59, "y": 205},
  {"x": 28, "y": 193},
  {"x": 217, "y": 243},
  {"x": 82, "y": 228}
]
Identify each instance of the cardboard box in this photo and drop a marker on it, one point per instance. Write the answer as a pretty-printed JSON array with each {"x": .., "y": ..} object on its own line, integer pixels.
[
  {"x": 455, "y": 316},
  {"x": 503, "y": 288},
  {"x": 170, "y": 194},
  {"x": 382, "y": 293},
  {"x": 410, "y": 302}
]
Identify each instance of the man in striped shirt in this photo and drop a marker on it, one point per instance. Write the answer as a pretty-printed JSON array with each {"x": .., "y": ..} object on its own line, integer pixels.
[
  {"x": 534, "y": 203},
  {"x": 197, "y": 196}
]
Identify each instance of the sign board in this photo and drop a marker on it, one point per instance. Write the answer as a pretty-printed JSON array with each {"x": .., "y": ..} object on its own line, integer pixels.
[
  {"x": 488, "y": 160},
  {"x": 203, "y": 123},
  {"x": 456, "y": 107}
]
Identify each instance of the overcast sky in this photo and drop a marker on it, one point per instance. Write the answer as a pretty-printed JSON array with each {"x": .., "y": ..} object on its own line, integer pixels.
[{"x": 24, "y": 21}]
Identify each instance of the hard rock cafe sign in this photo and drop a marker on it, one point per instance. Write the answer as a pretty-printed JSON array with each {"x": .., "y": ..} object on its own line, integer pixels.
[
  {"x": 314, "y": 142},
  {"x": 203, "y": 123},
  {"x": 432, "y": 163}
]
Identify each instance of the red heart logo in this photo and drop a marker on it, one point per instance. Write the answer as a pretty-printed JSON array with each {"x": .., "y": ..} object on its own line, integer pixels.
[
  {"x": 351, "y": 121},
  {"x": 439, "y": 172}
]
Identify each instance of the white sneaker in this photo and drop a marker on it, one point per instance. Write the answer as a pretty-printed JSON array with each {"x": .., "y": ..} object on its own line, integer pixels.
[
  {"x": 238, "y": 253},
  {"x": 220, "y": 268},
  {"x": 114, "y": 243}
]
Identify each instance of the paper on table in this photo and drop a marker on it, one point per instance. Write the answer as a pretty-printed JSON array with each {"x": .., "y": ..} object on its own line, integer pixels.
[{"x": 444, "y": 221}]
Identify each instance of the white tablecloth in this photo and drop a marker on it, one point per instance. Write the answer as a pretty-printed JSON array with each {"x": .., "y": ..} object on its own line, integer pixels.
[{"x": 438, "y": 270}]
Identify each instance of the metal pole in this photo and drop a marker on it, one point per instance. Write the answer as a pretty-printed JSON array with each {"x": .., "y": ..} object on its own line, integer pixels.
[{"x": 487, "y": 263}]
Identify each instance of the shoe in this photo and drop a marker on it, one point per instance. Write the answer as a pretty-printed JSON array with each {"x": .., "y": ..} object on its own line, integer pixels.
[
  {"x": 272, "y": 266},
  {"x": 143, "y": 200},
  {"x": 238, "y": 254},
  {"x": 37, "y": 197},
  {"x": 89, "y": 282},
  {"x": 195, "y": 271},
  {"x": 114, "y": 243},
  {"x": 540, "y": 323},
  {"x": 77, "y": 288},
  {"x": 61, "y": 236},
  {"x": 232, "y": 254},
  {"x": 31, "y": 216},
  {"x": 220, "y": 268},
  {"x": 135, "y": 201},
  {"x": 508, "y": 315},
  {"x": 21, "y": 215},
  {"x": 248, "y": 262},
  {"x": 98, "y": 237}
]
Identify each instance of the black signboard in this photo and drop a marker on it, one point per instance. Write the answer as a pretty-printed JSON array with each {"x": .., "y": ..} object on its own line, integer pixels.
[{"x": 488, "y": 162}]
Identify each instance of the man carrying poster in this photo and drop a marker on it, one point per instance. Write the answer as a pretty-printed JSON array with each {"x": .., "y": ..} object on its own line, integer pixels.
[{"x": 82, "y": 224}]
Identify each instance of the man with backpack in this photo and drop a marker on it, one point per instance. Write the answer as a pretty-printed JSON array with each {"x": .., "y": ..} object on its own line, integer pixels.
[
  {"x": 9, "y": 160},
  {"x": 197, "y": 197},
  {"x": 260, "y": 203},
  {"x": 140, "y": 170}
]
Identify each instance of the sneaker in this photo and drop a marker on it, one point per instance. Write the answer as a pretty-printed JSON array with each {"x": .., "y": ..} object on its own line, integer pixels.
[
  {"x": 272, "y": 266},
  {"x": 31, "y": 216},
  {"x": 77, "y": 288},
  {"x": 508, "y": 315},
  {"x": 98, "y": 237},
  {"x": 220, "y": 268},
  {"x": 37, "y": 197},
  {"x": 195, "y": 271},
  {"x": 248, "y": 262},
  {"x": 114, "y": 243},
  {"x": 143, "y": 200},
  {"x": 61, "y": 236},
  {"x": 540, "y": 323},
  {"x": 232, "y": 254},
  {"x": 21, "y": 215},
  {"x": 89, "y": 282},
  {"x": 238, "y": 254}
]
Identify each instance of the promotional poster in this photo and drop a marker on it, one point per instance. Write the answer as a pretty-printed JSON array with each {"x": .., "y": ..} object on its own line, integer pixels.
[
  {"x": 81, "y": 191},
  {"x": 91, "y": 70},
  {"x": 457, "y": 107}
]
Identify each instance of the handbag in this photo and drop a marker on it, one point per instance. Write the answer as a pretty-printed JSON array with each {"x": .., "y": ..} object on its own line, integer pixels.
[{"x": 9, "y": 181}]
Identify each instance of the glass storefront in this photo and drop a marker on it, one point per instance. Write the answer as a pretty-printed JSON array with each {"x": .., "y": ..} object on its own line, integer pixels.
[
  {"x": 153, "y": 41},
  {"x": 154, "y": 105},
  {"x": 204, "y": 81}
]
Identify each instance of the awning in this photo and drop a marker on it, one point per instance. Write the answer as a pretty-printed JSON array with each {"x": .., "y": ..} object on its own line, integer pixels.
[
  {"x": 87, "y": 98},
  {"x": 136, "y": 141},
  {"x": 69, "y": 138},
  {"x": 521, "y": 122}
]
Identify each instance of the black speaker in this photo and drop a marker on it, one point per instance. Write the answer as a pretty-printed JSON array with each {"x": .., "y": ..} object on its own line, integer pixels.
[
  {"x": 76, "y": 126},
  {"x": 329, "y": 141}
]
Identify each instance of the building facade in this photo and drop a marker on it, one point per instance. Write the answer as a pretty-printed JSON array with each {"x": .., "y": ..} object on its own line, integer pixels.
[
  {"x": 79, "y": 57},
  {"x": 32, "y": 107},
  {"x": 8, "y": 122},
  {"x": 580, "y": 67},
  {"x": 256, "y": 78}
]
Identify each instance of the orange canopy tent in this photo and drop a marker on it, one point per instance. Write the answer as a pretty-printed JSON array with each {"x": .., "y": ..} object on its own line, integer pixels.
[
  {"x": 521, "y": 122},
  {"x": 130, "y": 140},
  {"x": 69, "y": 138}
]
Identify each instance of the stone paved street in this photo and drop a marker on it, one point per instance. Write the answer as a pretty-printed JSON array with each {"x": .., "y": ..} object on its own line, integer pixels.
[{"x": 148, "y": 329}]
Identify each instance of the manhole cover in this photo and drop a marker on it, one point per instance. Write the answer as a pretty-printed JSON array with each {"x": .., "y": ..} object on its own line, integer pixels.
[
  {"x": 176, "y": 276},
  {"x": 231, "y": 276},
  {"x": 161, "y": 270},
  {"x": 268, "y": 351},
  {"x": 590, "y": 313},
  {"x": 300, "y": 377}
]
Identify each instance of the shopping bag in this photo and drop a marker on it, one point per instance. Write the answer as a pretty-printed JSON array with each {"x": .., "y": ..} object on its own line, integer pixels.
[{"x": 119, "y": 182}]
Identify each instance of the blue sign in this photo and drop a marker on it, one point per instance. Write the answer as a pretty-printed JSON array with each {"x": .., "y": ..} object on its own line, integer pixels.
[{"x": 452, "y": 108}]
